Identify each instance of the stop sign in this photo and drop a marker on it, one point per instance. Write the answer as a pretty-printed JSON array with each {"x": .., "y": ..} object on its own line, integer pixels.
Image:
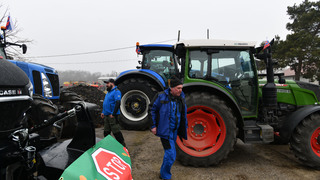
[{"x": 110, "y": 165}]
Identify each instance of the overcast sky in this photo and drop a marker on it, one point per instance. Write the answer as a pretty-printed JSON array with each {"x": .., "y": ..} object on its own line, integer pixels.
[{"x": 64, "y": 27}]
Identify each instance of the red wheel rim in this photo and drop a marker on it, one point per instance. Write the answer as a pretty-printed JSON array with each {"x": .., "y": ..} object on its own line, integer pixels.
[
  {"x": 206, "y": 132},
  {"x": 315, "y": 142}
]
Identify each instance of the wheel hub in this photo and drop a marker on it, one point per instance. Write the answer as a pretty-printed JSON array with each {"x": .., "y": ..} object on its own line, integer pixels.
[
  {"x": 198, "y": 128},
  {"x": 206, "y": 132},
  {"x": 136, "y": 105},
  {"x": 315, "y": 141}
]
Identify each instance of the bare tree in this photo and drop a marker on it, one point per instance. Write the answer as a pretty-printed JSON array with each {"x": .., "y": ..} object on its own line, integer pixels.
[{"x": 13, "y": 52}]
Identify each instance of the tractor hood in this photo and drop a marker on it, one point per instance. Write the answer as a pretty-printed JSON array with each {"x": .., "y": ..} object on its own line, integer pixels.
[
  {"x": 11, "y": 75},
  {"x": 15, "y": 97}
]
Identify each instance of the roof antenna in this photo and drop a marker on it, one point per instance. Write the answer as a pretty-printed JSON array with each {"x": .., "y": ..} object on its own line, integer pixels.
[
  {"x": 207, "y": 33},
  {"x": 178, "y": 35}
]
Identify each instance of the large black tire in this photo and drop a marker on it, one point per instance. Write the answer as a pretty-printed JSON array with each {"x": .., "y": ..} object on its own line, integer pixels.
[
  {"x": 66, "y": 96},
  {"x": 136, "y": 96},
  {"x": 305, "y": 141},
  {"x": 42, "y": 109},
  {"x": 68, "y": 126},
  {"x": 211, "y": 131}
]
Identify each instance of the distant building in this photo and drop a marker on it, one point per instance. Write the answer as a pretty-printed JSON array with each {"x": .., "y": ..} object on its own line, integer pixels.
[{"x": 289, "y": 74}]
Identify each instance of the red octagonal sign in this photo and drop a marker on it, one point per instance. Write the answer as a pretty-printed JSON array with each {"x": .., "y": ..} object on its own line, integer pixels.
[{"x": 110, "y": 165}]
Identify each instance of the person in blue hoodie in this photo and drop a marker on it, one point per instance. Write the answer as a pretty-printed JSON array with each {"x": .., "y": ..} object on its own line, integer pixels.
[
  {"x": 168, "y": 112},
  {"x": 111, "y": 111}
]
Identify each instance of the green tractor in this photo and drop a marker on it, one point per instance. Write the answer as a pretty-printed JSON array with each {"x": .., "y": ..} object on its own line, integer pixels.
[{"x": 227, "y": 100}]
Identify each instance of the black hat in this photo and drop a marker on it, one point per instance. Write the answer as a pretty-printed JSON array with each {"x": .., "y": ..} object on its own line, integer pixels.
[
  {"x": 175, "y": 82},
  {"x": 111, "y": 80}
]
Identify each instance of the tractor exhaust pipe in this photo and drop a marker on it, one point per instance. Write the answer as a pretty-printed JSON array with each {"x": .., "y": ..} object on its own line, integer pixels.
[{"x": 269, "y": 90}]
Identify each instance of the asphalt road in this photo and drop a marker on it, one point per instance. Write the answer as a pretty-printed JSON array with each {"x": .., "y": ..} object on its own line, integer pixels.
[{"x": 247, "y": 161}]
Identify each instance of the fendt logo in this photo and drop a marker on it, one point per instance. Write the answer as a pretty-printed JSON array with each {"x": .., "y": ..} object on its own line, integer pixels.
[{"x": 110, "y": 165}]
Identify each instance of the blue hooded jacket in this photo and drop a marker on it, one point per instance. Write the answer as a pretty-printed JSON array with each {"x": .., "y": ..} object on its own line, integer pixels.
[
  {"x": 110, "y": 101},
  {"x": 159, "y": 112}
]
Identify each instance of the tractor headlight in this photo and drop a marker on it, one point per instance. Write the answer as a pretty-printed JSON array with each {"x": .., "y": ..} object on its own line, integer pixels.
[
  {"x": 47, "y": 91},
  {"x": 30, "y": 89}
]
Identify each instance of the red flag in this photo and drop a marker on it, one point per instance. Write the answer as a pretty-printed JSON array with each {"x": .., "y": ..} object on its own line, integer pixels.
[{"x": 267, "y": 44}]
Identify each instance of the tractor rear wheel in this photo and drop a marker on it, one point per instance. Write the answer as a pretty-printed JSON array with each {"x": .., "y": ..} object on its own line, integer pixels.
[
  {"x": 305, "y": 141},
  {"x": 136, "y": 96},
  {"x": 42, "y": 109},
  {"x": 211, "y": 131}
]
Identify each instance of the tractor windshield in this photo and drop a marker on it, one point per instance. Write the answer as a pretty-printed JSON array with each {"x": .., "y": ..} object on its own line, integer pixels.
[
  {"x": 2, "y": 52},
  {"x": 232, "y": 68},
  {"x": 160, "y": 61}
]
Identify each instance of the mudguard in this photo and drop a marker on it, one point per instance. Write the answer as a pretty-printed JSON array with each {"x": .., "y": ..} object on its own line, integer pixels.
[
  {"x": 294, "y": 119},
  {"x": 141, "y": 72}
]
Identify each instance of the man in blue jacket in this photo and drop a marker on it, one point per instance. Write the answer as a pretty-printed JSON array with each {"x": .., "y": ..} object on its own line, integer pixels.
[
  {"x": 111, "y": 111},
  {"x": 168, "y": 111}
]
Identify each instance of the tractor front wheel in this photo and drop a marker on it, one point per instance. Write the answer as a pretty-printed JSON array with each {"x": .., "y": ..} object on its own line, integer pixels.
[
  {"x": 211, "y": 131},
  {"x": 137, "y": 94},
  {"x": 42, "y": 109},
  {"x": 305, "y": 141}
]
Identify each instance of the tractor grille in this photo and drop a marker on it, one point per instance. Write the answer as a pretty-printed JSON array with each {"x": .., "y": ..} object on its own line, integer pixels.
[
  {"x": 12, "y": 115},
  {"x": 54, "y": 79},
  {"x": 311, "y": 87},
  {"x": 37, "y": 85}
]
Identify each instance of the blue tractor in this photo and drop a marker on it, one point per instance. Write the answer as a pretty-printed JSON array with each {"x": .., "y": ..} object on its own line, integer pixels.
[
  {"x": 138, "y": 86},
  {"x": 47, "y": 98}
]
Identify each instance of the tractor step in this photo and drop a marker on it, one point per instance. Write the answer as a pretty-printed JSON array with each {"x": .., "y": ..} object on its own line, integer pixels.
[{"x": 257, "y": 133}]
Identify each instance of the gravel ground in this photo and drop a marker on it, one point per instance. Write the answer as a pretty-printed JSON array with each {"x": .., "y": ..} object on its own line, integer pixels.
[{"x": 247, "y": 161}]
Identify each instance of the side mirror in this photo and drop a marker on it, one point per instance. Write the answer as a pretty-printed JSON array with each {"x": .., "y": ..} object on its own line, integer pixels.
[
  {"x": 24, "y": 48},
  {"x": 139, "y": 62},
  {"x": 180, "y": 51}
]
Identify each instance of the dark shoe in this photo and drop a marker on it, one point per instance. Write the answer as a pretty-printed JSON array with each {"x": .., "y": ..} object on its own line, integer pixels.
[{"x": 162, "y": 178}]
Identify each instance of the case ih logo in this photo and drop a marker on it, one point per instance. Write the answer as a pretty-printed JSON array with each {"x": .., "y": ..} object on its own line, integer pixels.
[
  {"x": 9, "y": 92},
  {"x": 110, "y": 165}
]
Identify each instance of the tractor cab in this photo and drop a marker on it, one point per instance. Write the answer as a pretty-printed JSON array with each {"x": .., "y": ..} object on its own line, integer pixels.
[
  {"x": 159, "y": 58},
  {"x": 229, "y": 64},
  {"x": 2, "y": 52},
  {"x": 4, "y": 44}
]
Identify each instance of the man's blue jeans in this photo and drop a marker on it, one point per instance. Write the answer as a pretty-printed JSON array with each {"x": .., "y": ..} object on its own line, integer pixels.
[{"x": 169, "y": 155}]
